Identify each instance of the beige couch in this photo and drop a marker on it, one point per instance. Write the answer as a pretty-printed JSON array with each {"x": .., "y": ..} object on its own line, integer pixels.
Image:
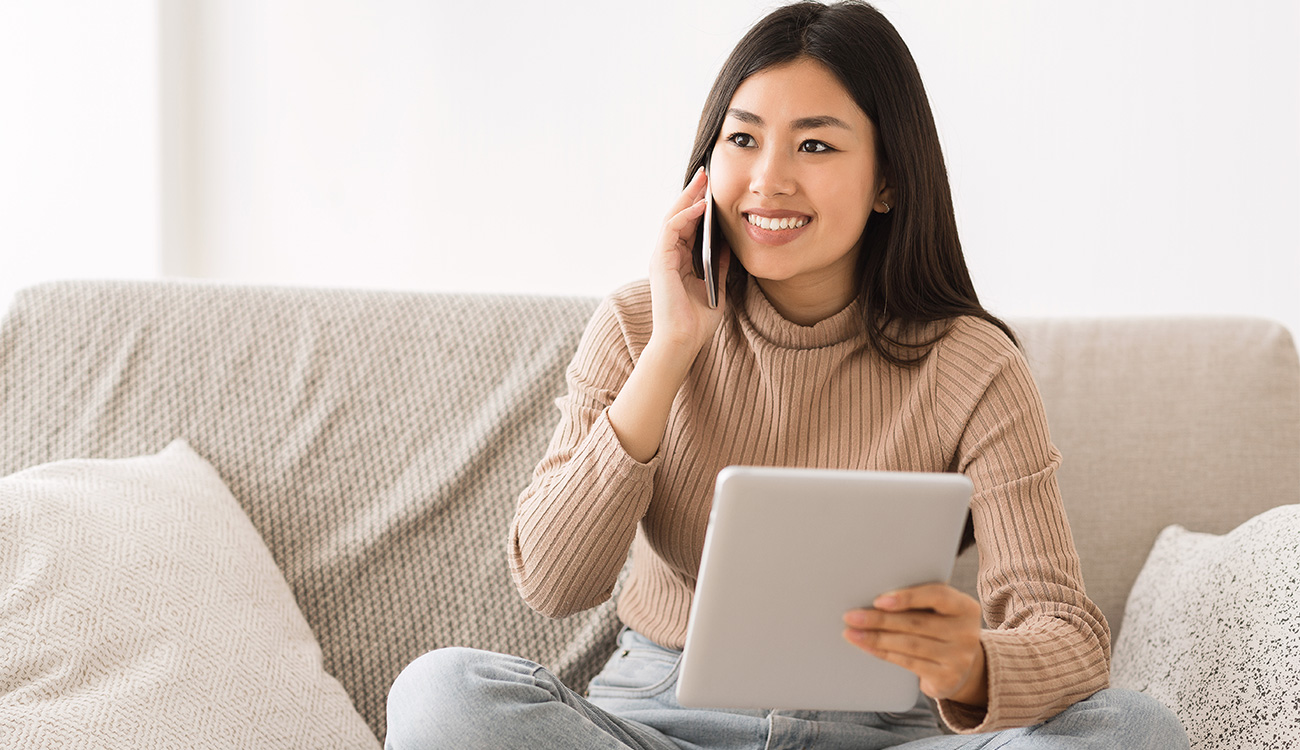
[{"x": 377, "y": 441}]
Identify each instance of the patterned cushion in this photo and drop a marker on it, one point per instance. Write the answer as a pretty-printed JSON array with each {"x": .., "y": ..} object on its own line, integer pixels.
[
  {"x": 1212, "y": 630},
  {"x": 377, "y": 440},
  {"x": 141, "y": 610}
]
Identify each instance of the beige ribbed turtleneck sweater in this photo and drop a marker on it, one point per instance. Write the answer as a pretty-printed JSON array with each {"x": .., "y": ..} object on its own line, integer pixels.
[{"x": 766, "y": 391}]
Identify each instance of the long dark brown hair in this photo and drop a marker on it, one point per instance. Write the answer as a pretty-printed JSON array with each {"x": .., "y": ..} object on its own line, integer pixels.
[{"x": 911, "y": 270}]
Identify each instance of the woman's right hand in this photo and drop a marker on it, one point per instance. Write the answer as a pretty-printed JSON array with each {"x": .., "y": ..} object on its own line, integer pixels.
[
  {"x": 683, "y": 324},
  {"x": 683, "y": 320}
]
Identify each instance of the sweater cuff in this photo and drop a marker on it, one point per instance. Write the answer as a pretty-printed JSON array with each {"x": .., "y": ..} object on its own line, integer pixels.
[
  {"x": 570, "y": 536},
  {"x": 603, "y": 441},
  {"x": 964, "y": 718},
  {"x": 1026, "y": 685}
]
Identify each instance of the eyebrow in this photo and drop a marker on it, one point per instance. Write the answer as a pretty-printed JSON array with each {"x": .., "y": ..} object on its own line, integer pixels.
[{"x": 803, "y": 123}]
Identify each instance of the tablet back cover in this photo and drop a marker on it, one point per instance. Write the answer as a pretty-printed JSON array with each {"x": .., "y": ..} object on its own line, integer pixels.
[{"x": 786, "y": 554}]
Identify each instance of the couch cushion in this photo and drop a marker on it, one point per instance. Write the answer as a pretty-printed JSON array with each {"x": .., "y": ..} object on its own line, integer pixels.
[
  {"x": 1213, "y": 631},
  {"x": 378, "y": 442},
  {"x": 1160, "y": 421},
  {"x": 141, "y": 610}
]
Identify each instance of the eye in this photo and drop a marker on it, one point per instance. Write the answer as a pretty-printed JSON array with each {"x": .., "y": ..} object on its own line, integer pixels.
[
  {"x": 814, "y": 147},
  {"x": 743, "y": 140}
]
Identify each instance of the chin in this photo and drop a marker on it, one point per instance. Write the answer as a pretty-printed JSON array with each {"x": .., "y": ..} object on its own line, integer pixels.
[
  {"x": 775, "y": 277},
  {"x": 767, "y": 269}
]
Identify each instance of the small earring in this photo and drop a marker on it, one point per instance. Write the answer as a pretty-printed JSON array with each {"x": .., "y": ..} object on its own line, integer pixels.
[{"x": 886, "y": 208}]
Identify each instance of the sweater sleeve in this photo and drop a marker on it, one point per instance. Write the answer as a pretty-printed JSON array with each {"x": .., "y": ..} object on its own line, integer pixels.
[
  {"x": 1046, "y": 644},
  {"x": 575, "y": 521}
]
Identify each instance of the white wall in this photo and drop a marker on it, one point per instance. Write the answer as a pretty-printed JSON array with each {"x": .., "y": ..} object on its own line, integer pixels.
[
  {"x": 79, "y": 188},
  {"x": 486, "y": 146},
  {"x": 1114, "y": 157},
  {"x": 1121, "y": 157}
]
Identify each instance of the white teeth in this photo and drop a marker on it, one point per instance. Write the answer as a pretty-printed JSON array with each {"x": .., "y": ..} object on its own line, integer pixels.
[{"x": 765, "y": 223}]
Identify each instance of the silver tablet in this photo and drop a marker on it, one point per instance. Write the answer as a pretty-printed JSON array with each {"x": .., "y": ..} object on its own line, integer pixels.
[{"x": 786, "y": 554}]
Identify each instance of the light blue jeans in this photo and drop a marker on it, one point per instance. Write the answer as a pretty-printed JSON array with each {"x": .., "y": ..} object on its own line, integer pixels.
[{"x": 467, "y": 699}]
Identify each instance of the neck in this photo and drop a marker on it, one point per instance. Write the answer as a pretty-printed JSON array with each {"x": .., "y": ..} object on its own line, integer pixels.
[{"x": 806, "y": 305}]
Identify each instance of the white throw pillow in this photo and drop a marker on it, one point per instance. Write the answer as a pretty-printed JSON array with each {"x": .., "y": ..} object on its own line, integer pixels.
[
  {"x": 1212, "y": 630},
  {"x": 139, "y": 608}
]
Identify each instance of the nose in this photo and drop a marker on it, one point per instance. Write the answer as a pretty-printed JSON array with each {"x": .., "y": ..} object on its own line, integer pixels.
[{"x": 772, "y": 173}]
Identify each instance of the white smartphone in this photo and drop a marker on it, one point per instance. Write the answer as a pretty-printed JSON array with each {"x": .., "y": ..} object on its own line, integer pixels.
[
  {"x": 703, "y": 257},
  {"x": 709, "y": 262}
]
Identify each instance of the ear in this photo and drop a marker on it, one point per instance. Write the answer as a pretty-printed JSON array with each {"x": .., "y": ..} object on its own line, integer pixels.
[{"x": 884, "y": 202}]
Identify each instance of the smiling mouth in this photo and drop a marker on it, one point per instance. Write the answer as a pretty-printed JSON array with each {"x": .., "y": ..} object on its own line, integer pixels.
[{"x": 762, "y": 222}]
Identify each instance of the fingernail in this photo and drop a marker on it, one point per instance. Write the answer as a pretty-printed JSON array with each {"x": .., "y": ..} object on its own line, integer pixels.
[{"x": 886, "y": 601}]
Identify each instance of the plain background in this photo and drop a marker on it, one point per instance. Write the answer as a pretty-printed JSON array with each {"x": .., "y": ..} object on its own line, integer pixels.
[{"x": 1117, "y": 157}]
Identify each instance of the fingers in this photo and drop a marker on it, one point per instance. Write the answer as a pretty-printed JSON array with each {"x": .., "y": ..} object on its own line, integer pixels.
[
  {"x": 946, "y": 668},
  {"x": 938, "y": 597},
  {"x": 956, "y": 674},
  {"x": 693, "y": 193},
  {"x": 679, "y": 299},
  {"x": 682, "y": 223},
  {"x": 929, "y": 637},
  {"x": 933, "y": 631},
  {"x": 893, "y": 645},
  {"x": 684, "y": 217},
  {"x": 674, "y": 253},
  {"x": 921, "y": 634},
  {"x": 929, "y": 609}
]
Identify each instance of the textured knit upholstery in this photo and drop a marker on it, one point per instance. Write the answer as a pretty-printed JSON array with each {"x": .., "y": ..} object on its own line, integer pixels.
[
  {"x": 1161, "y": 421},
  {"x": 378, "y": 441}
]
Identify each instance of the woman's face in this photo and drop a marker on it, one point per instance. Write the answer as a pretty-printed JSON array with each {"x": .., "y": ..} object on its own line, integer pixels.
[{"x": 794, "y": 177}]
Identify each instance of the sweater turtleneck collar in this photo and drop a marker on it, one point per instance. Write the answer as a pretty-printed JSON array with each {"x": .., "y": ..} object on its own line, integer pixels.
[{"x": 764, "y": 319}]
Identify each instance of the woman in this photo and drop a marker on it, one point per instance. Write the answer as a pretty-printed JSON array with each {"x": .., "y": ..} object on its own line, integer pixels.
[{"x": 849, "y": 335}]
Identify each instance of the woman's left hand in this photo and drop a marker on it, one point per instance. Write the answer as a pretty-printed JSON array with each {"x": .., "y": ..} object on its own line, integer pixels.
[{"x": 932, "y": 631}]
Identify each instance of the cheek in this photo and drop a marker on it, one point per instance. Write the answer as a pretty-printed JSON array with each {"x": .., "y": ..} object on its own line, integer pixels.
[
  {"x": 728, "y": 191},
  {"x": 855, "y": 218},
  {"x": 726, "y": 183},
  {"x": 851, "y": 209},
  {"x": 732, "y": 230}
]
